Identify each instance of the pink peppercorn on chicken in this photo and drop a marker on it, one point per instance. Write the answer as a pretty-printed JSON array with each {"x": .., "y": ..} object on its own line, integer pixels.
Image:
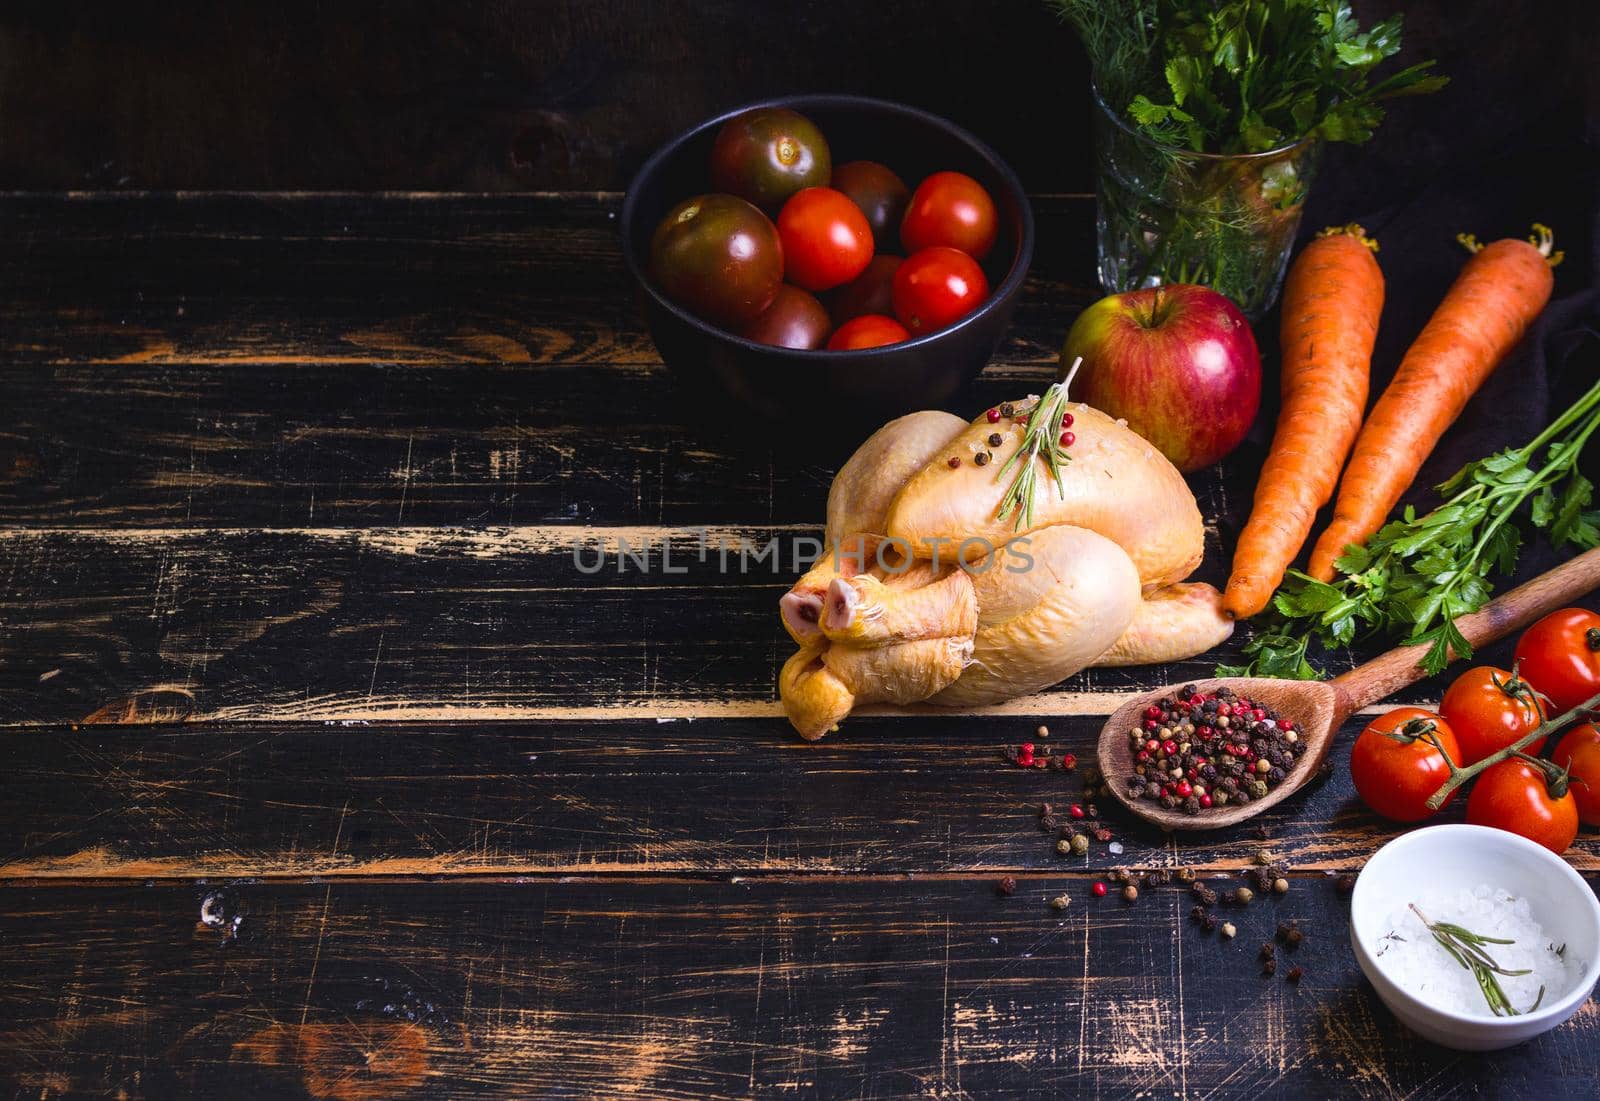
[{"x": 929, "y": 593}]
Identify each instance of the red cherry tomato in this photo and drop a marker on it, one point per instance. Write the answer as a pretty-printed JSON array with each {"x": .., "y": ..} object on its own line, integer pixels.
[
  {"x": 1579, "y": 754},
  {"x": 1560, "y": 656},
  {"x": 937, "y": 287},
  {"x": 953, "y": 210},
  {"x": 1488, "y": 709},
  {"x": 1396, "y": 764},
  {"x": 826, "y": 239},
  {"x": 1524, "y": 799},
  {"x": 871, "y": 330}
]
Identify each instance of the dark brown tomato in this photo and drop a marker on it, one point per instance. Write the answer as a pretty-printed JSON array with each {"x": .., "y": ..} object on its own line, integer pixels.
[
  {"x": 870, "y": 292},
  {"x": 794, "y": 320},
  {"x": 768, "y": 154},
  {"x": 881, "y": 195},
  {"x": 719, "y": 258}
]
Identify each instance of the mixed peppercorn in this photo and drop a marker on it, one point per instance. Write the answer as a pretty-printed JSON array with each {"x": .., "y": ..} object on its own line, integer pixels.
[{"x": 1197, "y": 750}]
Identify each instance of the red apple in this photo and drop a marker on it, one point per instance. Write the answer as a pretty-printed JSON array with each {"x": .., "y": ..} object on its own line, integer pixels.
[{"x": 1178, "y": 363}]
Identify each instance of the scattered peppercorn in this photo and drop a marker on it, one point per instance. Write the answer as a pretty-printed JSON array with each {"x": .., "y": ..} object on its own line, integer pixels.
[
  {"x": 1060, "y": 902},
  {"x": 981, "y": 458},
  {"x": 1243, "y": 896},
  {"x": 1186, "y": 875},
  {"x": 1064, "y": 847},
  {"x": 1102, "y": 835},
  {"x": 1209, "y": 922},
  {"x": 1043, "y": 732},
  {"x": 1229, "y": 930},
  {"x": 1098, "y": 890},
  {"x": 1296, "y": 974},
  {"x": 1130, "y": 893},
  {"x": 1069, "y": 761},
  {"x": 1262, "y": 857},
  {"x": 1080, "y": 844},
  {"x": 1197, "y": 913},
  {"x": 1007, "y": 885},
  {"x": 1066, "y": 420},
  {"x": 996, "y": 439},
  {"x": 993, "y": 415},
  {"x": 1289, "y": 933},
  {"x": 953, "y": 461},
  {"x": 1076, "y": 810},
  {"x": 1269, "y": 968},
  {"x": 1068, "y": 439},
  {"x": 1280, "y": 886},
  {"x": 1268, "y": 950},
  {"x": 1007, "y": 410}
]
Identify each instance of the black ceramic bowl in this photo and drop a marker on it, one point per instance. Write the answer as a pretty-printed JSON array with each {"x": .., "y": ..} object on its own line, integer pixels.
[{"x": 790, "y": 386}]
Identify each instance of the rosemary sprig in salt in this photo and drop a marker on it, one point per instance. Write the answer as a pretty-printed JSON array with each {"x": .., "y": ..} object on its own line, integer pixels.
[
  {"x": 1466, "y": 948},
  {"x": 1041, "y": 439}
]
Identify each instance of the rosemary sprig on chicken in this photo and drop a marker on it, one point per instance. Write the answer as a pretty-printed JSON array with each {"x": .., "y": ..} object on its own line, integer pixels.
[{"x": 1041, "y": 438}]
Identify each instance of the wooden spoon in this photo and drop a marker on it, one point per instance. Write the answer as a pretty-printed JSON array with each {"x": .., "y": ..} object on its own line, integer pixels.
[{"x": 1320, "y": 708}]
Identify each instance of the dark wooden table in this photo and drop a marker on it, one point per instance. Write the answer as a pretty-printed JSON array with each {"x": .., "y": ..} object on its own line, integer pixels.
[{"x": 327, "y": 773}]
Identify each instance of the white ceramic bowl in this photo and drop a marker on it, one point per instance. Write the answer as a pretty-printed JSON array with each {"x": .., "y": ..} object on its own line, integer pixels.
[{"x": 1460, "y": 856}]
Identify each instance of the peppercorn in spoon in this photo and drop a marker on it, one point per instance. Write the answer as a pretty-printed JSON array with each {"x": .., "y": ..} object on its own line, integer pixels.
[{"x": 1217, "y": 752}]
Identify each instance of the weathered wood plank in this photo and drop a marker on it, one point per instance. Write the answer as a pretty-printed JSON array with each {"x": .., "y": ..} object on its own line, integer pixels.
[
  {"x": 324, "y": 623},
  {"x": 886, "y": 796},
  {"x": 366, "y": 623},
  {"x": 354, "y": 360},
  {"x": 323, "y": 279},
  {"x": 704, "y": 990}
]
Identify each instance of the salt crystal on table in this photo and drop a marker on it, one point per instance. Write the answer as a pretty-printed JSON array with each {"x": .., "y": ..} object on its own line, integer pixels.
[{"x": 1416, "y": 962}]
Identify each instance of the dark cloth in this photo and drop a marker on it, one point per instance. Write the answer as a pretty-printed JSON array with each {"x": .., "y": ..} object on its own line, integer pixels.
[{"x": 1554, "y": 183}]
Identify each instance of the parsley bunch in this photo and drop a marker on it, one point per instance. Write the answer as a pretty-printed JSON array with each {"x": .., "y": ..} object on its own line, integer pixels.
[
  {"x": 1243, "y": 76},
  {"x": 1419, "y": 573}
]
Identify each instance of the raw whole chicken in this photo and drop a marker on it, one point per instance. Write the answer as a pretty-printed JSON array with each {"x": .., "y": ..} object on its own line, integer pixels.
[{"x": 928, "y": 594}]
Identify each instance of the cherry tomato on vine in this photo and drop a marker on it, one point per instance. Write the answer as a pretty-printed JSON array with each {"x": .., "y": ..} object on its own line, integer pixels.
[
  {"x": 1398, "y": 761},
  {"x": 950, "y": 209},
  {"x": 937, "y": 287},
  {"x": 1525, "y": 799},
  {"x": 1560, "y": 656},
  {"x": 1579, "y": 753},
  {"x": 1488, "y": 709},
  {"x": 826, "y": 239},
  {"x": 867, "y": 331}
]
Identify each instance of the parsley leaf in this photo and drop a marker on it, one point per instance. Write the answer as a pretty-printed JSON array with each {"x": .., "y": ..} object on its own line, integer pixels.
[{"x": 1418, "y": 574}]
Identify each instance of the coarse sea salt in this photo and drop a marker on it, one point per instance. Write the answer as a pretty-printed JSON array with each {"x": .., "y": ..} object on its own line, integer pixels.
[{"x": 1410, "y": 956}]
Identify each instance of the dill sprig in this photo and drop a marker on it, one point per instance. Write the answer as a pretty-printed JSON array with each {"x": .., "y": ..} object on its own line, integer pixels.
[
  {"x": 1466, "y": 948},
  {"x": 1041, "y": 439}
]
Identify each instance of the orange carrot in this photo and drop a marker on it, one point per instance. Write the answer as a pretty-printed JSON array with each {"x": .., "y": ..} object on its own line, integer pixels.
[
  {"x": 1487, "y": 309},
  {"x": 1331, "y": 305}
]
